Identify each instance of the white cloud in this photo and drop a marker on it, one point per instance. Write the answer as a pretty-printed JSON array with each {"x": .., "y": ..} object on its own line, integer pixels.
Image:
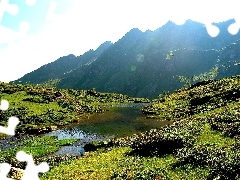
[{"x": 91, "y": 22}]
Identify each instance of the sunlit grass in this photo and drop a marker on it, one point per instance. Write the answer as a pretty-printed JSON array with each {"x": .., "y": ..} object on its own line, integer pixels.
[
  {"x": 37, "y": 146},
  {"x": 215, "y": 138},
  {"x": 16, "y": 100},
  {"x": 44, "y": 145},
  {"x": 115, "y": 163},
  {"x": 107, "y": 164}
]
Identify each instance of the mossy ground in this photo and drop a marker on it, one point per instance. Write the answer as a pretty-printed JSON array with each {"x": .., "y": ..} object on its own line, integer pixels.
[
  {"x": 37, "y": 146},
  {"x": 38, "y": 106},
  {"x": 206, "y": 131},
  {"x": 118, "y": 163},
  {"x": 189, "y": 108},
  {"x": 115, "y": 163}
]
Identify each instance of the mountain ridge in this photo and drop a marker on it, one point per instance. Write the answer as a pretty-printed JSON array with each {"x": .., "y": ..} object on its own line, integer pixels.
[
  {"x": 62, "y": 65},
  {"x": 137, "y": 64}
]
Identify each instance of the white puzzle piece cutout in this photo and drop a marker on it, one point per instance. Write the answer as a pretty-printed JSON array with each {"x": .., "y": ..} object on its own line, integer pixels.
[
  {"x": 7, "y": 35},
  {"x": 32, "y": 170},
  {"x": 12, "y": 124},
  {"x": 4, "y": 105},
  {"x": 12, "y": 121},
  {"x": 4, "y": 170}
]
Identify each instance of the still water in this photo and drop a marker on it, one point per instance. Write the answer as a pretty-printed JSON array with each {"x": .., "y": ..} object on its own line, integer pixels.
[{"x": 118, "y": 121}]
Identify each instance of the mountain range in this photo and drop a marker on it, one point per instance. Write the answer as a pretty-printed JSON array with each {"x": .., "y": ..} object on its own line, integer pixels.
[{"x": 143, "y": 64}]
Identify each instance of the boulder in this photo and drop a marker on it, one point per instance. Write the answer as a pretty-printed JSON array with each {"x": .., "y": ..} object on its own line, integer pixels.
[{"x": 16, "y": 173}]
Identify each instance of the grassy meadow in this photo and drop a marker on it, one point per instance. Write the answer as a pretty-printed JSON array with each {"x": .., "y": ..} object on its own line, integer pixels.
[{"x": 202, "y": 142}]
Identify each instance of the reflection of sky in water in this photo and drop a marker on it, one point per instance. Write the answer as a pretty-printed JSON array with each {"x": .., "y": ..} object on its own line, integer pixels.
[
  {"x": 84, "y": 137},
  {"x": 75, "y": 133},
  {"x": 72, "y": 133},
  {"x": 133, "y": 105},
  {"x": 71, "y": 150}
]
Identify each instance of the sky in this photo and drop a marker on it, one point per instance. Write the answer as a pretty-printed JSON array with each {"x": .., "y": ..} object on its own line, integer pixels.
[{"x": 37, "y": 32}]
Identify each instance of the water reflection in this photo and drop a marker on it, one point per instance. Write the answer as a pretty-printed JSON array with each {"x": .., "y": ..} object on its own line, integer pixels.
[
  {"x": 76, "y": 133},
  {"x": 121, "y": 120},
  {"x": 71, "y": 150},
  {"x": 72, "y": 133},
  {"x": 131, "y": 105},
  {"x": 12, "y": 142}
]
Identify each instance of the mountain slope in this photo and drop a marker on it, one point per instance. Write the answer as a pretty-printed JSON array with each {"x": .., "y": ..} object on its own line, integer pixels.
[
  {"x": 63, "y": 65},
  {"x": 136, "y": 65},
  {"x": 202, "y": 141},
  {"x": 139, "y": 63}
]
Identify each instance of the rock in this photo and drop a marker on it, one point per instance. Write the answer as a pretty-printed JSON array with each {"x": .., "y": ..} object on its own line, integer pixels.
[
  {"x": 16, "y": 173},
  {"x": 151, "y": 117},
  {"x": 58, "y": 94},
  {"x": 53, "y": 128},
  {"x": 89, "y": 147}
]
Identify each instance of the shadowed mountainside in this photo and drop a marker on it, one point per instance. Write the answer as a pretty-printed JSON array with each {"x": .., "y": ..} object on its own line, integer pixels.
[
  {"x": 62, "y": 66},
  {"x": 139, "y": 63}
]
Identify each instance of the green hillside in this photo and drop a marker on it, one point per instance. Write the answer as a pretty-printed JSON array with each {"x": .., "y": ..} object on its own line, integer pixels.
[
  {"x": 202, "y": 143},
  {"x": 63, "y": 65},
  {"x": 139, "y": 64},
  {"x": 41, "y": 108}
]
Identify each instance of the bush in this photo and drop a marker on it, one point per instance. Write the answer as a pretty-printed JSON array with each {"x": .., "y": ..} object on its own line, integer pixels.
[
  {"x": 158, "y": 142},
  {"x": 224, "y": 162},
  {"x": 228, "y": 122}
]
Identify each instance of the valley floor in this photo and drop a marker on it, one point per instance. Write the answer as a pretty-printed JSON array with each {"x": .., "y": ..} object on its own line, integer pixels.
[{"x": 202, "y": 142}]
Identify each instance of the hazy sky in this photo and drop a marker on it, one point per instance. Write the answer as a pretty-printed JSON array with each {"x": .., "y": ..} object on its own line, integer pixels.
[{"x": 36, "y": 32}]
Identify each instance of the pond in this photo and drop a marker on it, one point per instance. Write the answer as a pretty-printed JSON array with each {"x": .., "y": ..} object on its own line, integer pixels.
[{"x": 118, "y": 121}]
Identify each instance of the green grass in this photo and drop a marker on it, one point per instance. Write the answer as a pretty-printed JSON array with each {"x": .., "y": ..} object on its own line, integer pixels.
[
  {"x": 116, "y": 163},
  {"x": 37, "y": 146},
  {"x": 215, "y": 138},
  {"x": 39, "y": 106},
  {"x": 45, "y": 145},
  {"x": 16, "y": 100},
  {"x": 192, "y": 108}
]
